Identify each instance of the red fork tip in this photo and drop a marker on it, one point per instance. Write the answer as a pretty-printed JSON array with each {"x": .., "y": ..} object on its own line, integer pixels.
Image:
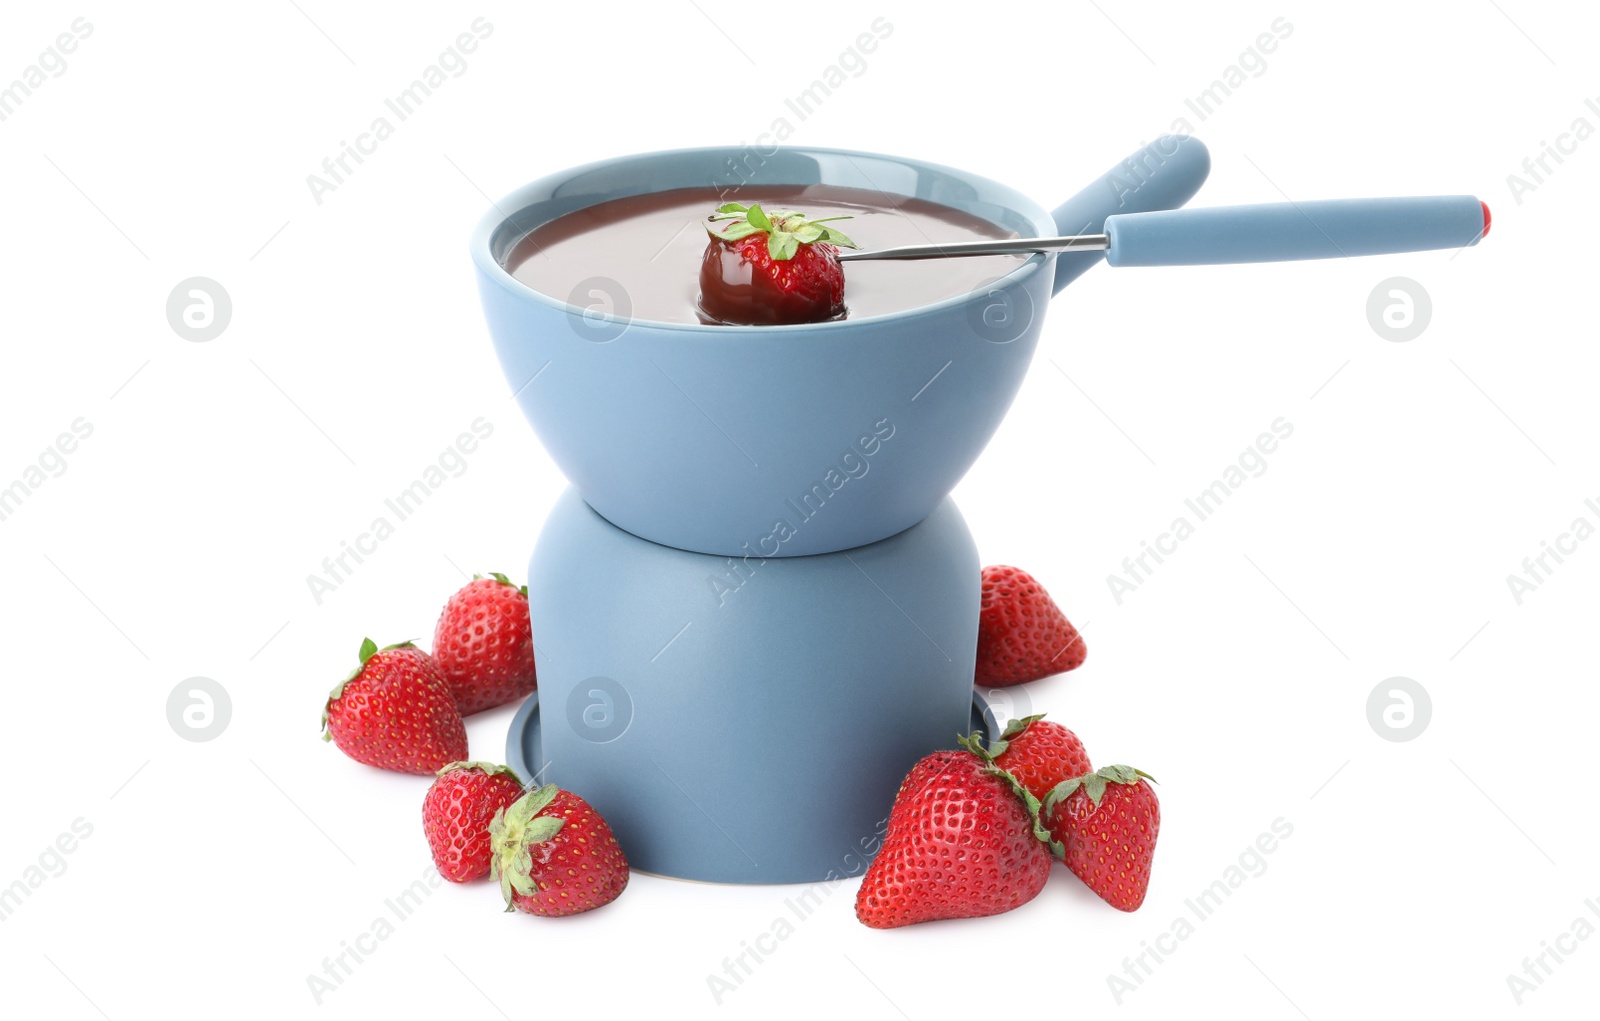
[{"x": 1486, "y": 219}]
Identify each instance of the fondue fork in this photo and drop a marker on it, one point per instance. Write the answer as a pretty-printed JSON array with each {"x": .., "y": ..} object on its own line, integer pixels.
[{"x": 1273, "y": 232}]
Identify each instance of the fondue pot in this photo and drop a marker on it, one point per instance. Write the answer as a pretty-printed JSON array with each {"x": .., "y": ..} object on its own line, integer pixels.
[
  {"x": 736, "y": 440},
  {"x": 721, "y": 439}
]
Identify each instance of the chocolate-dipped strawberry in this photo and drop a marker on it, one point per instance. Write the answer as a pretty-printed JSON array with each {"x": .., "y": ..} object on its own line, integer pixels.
[{"x": 767, "y": 269}]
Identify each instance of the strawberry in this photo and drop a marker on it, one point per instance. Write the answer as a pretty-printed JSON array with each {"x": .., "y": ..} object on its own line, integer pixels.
[
  {"x": 1106, "y": 823},
  {"x": 763, "y": 269},
  {"x": 456, "y": 814},
  {"x": 1040, "y": 754},
  {"x": 1022, "y": 634},
  {"x": 554, "y": 855},
  {"x": 963, "y": 841},
  {"x": 394, "y": 711},
  {"x": 484, "y": 644}
]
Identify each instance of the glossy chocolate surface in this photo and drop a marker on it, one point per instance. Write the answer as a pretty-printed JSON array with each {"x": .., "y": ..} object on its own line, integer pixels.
[{"x": 647, "y": 250}]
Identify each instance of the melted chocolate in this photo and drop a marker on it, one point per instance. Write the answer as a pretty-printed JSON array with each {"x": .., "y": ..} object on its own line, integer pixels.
[{"x": 652, "y": 247}]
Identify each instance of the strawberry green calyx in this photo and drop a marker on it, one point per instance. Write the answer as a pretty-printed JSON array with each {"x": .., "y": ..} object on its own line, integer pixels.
[
  {"x": 513, "y": 833},
  {"x": 369, "y": 649},
  {"x": 1093, "y": 784},
  {"x": 502, "y": 579},
  {"x": 1013, "y": 728},
  {"x": 786, "y": 230},
  {"x": 486, "y": 768},
  {"x": 974, "y": 744}
]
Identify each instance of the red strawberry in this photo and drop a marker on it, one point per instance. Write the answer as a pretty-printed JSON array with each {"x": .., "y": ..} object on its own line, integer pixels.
[
  {"x": 1106, "y": 823},
  {"x": 394, "y": 711},
  {"x": 554, "y": 855},
  {"x": 763, "y": 269},
  {"x": 456, "y": 814},
  {"x": 1022, "y": 634},
  {"x": 1040, "y": 754},
  {"x": 963, "y": 841},
  {"x": 484, "y": 644}
]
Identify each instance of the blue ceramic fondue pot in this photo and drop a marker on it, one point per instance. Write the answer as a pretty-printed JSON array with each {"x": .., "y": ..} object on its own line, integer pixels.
[{"x": 789, "y": 440}]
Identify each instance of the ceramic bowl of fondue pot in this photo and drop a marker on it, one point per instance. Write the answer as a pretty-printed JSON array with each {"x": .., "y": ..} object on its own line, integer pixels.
[{"x": 787, "y": 440}]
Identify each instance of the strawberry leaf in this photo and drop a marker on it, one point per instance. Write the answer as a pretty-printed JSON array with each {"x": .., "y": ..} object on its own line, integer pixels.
[
  {"x": 1095, "y": 788},
  {"x": 1060, "y": 792},
  {"x": 369, "y": 648},
  {"x": 786, "y": 229},
  {"x": 735, "y": 232},
  {"x": 513, "y": 833},
  {"x": 487, "y": 768},
  {"x": 1016, "y": 727},
  {"x": 1125, "y": 774},
  {"x": 838, "y": 237},
  {"x": 973, "y": 743},
  {"x": 536, "y": 801},
  {"x": 1120, "y": 774},
  {"x": 782, "y": 245},
  {"x": 1093, "y": 785}
]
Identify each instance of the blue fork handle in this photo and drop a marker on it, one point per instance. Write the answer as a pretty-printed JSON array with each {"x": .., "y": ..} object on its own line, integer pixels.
[
  {"x": 1284, "y": 232},
  {"x": 1163, "y": 175}
]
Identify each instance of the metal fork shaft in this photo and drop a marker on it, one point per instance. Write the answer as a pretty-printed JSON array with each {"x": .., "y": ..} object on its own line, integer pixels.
[{"x": 958, "y": 249}]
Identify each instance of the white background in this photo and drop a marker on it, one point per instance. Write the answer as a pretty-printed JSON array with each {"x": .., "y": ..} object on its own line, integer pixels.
[{"x": 177, "y": 543}]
